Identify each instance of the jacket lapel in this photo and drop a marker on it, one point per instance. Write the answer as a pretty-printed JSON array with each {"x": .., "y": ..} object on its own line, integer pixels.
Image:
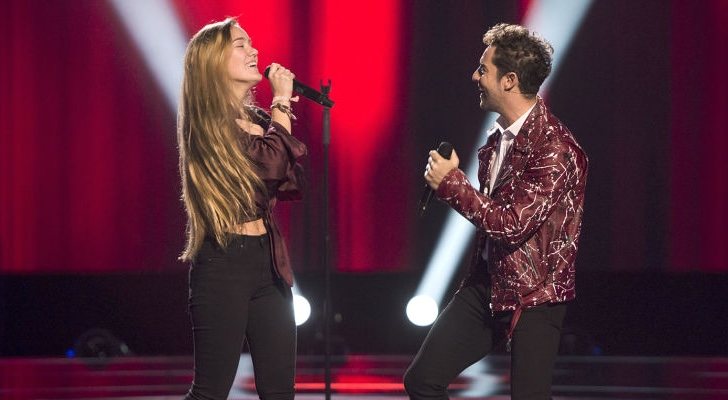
[
  {"x": 485, "y": 156},
  {"x": 515, "y": 160}
]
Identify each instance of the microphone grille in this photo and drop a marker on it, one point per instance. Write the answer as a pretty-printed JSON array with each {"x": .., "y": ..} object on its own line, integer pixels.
[{"x": 445, "y": 150}]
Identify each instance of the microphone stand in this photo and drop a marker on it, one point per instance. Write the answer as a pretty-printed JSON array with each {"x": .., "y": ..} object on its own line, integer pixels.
[{"x": 326, "y": 139}]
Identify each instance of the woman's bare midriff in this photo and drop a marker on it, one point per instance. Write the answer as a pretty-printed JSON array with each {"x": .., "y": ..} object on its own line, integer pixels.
[{"x": 252, "y": 228}]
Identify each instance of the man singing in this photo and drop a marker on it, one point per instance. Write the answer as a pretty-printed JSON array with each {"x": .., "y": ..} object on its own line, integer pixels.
[{"x": 527, "y": 212}]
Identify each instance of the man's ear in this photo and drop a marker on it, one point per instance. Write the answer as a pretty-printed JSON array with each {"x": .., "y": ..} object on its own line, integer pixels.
[{"x": 509, "y": 81}]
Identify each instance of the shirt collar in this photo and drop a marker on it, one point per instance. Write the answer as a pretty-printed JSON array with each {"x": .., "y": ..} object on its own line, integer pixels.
[{"x": 515, "y": 127}]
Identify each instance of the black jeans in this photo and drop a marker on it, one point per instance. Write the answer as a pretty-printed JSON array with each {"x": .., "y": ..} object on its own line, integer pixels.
[
  {"x": 235, "y": 295},
  {"x": 466, "y": 331}
]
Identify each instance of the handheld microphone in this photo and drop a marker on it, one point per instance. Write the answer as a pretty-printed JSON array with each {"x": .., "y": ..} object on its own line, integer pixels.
[
  {"x": 307, "y": 92},
  {"x": 445, "y": 150}
]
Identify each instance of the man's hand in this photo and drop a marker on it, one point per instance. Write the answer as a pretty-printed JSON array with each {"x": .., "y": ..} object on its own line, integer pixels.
[{"x": 438, "y": 166}]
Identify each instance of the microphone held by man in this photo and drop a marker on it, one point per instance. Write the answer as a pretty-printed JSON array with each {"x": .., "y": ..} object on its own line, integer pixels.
[{"x": 445, "y": 151}]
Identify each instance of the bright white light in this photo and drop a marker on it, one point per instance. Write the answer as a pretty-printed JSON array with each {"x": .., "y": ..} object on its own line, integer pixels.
[
  {"x": 422, "y": 310},
  {"x": 454, "y": 240},
  {"x": 557, "y": 21},
  {"x": 158, "y": 34},
  {"x": 301, "y": 309},
  {"x": 484, "y": 381}
]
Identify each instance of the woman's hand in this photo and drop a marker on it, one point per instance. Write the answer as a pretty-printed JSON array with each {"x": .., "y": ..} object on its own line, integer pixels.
[
  {"x": 281, "y": 84},
  {"x": 281, "y": 81}
]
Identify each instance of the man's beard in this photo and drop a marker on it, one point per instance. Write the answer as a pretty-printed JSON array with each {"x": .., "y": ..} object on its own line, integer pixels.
[{"x": 484, "y": 102}]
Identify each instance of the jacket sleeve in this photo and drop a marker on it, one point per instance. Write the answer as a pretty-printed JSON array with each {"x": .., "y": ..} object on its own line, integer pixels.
[
  {"x": 276, "y": 154},
  {"x": 547, "y": 176}
]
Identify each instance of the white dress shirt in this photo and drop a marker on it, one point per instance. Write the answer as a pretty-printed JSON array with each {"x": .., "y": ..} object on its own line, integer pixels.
[{"x": 504, "y": 144}]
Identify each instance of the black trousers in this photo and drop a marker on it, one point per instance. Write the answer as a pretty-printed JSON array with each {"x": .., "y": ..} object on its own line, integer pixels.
[
  {"x": 466, "y": 331},
  {"x": 235, "y": 295}
]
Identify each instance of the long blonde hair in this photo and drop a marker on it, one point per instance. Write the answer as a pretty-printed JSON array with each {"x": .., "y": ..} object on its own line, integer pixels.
[{"x": 218, "y": 180}]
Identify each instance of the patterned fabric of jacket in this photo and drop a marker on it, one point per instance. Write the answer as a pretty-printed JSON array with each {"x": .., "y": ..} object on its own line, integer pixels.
[{"x": 528, "y": 227}]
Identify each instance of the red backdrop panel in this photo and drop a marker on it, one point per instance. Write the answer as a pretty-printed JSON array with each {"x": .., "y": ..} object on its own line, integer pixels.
[
  {"x": 89, "y": 177},
  {"x": 88, "y": 159},
  {"x": 360, "y": 49},
  {"x": 699, "y": 149}
]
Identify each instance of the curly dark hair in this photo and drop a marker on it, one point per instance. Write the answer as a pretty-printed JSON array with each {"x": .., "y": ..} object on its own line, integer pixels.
[{"x": 520, "y": 51}]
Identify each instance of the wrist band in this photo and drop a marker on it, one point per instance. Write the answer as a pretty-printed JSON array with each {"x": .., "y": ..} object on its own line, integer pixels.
[{"x": 284, "y": 108}]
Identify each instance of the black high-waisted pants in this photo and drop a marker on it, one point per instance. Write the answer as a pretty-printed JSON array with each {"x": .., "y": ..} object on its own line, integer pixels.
[{"x": 235, "y": 295}]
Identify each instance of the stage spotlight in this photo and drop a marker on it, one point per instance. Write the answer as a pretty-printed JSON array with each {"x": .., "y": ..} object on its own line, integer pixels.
[
  {"x": 301, "y": 309},
  {"x": 99, "y": 343},
  {"x": 422, "y": 310}
]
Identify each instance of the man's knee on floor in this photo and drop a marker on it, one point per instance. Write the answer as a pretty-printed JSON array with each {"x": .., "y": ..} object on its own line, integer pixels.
[
  {"x": 276, "y": 396},
  {"x": 196, "y": 394},
  {"x": 416, "y": 384}
]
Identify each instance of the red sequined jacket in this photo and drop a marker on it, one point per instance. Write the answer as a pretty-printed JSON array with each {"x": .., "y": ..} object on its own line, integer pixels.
[{"x": 531, "y": 220}]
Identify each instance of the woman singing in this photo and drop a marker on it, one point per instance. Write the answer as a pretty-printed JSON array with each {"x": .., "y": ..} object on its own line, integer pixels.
[{"x": 235, "y": 162}]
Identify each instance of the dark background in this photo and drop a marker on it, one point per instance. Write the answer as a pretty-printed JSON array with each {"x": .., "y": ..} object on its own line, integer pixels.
[{"x": 91, "y": 223}]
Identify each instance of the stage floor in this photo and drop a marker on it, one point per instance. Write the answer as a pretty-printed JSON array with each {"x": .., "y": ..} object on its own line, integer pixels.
[{"x": 364, "y": 377}]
